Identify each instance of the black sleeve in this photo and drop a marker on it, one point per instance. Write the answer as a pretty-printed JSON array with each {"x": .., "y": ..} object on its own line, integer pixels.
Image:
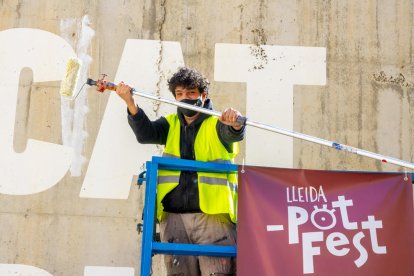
[
  {"x": 147, "y": 131},
  {"x": 228, "y": 135}
]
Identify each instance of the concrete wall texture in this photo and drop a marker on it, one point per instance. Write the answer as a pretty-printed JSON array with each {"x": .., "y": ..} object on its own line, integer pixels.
[{"x": 338, "y": 70}]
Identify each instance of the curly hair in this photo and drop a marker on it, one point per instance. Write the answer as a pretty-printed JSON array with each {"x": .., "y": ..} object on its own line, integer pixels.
[{"x": 188, "y": 78}]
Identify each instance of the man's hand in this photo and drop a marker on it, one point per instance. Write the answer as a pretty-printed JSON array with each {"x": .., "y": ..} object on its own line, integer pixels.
[
  {"x": 124, "y": 91},
  {"x": 229, "y": 117}
]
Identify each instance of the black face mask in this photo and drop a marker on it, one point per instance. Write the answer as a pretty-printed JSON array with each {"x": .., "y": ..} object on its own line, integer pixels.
[{"x": 188, "y": 112}]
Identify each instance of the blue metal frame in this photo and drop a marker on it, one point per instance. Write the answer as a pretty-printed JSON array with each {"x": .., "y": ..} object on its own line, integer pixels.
[{"x": 149, "y": 246}]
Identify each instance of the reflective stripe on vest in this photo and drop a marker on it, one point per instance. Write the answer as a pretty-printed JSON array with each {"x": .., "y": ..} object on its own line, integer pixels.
[
  {"x": 168, "y": 179},
  {"x": 218, "y": 181}
]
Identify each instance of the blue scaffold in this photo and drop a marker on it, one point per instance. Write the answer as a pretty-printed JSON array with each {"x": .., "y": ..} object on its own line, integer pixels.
[{"x": 149, "y": 245}]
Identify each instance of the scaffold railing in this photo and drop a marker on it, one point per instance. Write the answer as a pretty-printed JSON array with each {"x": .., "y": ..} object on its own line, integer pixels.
[{"x": 149, "y": 245}]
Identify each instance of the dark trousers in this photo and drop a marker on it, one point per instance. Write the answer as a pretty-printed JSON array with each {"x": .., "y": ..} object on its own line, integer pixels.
[{"x": 199, "y": 228}]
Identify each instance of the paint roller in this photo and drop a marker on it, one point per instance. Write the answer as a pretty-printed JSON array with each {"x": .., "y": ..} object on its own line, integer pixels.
[
  {"x": 72, "y": 74},
  {"x": 68, "y": 84}
]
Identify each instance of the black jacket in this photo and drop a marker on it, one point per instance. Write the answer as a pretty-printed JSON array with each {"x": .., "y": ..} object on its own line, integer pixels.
[{"x": 184, "y": 198}]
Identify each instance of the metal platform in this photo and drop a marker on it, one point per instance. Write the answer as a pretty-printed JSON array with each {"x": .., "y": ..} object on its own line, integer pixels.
[{"x": 151, "y": 247}]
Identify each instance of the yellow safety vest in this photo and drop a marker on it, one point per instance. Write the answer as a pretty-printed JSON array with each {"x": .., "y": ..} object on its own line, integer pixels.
[{"x": 217, "y": 191}]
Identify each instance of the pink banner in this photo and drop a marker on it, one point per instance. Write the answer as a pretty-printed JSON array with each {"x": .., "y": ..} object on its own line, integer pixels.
[{"x": 299, "y": 222}]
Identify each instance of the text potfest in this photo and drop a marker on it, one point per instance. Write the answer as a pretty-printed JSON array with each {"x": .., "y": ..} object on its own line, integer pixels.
[{"x": 322, "y": 218}]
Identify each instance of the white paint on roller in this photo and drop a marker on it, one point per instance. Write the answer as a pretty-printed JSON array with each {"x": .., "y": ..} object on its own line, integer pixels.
[
  {"x": 42, "y": 164},
  {"x": 270, "y": 73},
  {"x": 71, "y": 77},
  {"x": 117, "y": 155},
  {"x": 73, "y": 116}
]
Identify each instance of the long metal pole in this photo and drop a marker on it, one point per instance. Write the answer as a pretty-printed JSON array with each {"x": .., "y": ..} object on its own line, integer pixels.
[{"x": 244, "y": 121}]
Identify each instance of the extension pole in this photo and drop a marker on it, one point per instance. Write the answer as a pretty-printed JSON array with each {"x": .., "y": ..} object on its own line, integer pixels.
[{"x": 244, "y": 121}]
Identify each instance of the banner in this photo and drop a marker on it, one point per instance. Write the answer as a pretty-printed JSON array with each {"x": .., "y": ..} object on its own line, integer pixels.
[{"x": 300, "y": 222}]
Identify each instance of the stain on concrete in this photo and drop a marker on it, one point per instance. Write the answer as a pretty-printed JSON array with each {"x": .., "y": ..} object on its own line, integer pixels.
[
  {"x": 241, "y": 7},
  {"x": 160, "y": 27},
  {"x": 18, "y": 7},
  {"x": 257, "y": 50},
  {"x": 399, "y": 80}
]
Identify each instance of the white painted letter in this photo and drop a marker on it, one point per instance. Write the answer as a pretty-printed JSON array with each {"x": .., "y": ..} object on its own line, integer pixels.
[
  {"x": 295, "y": 221},
  {"x": 363, "y": 254},
  {"x": 22, "y": 270},
  {"x": 337, "y": 239},
  {"x": 42, "y": 164},
  {"x": 270, "y": 73},
  {"x": 309, "y": 251},
  {"x": 342, "y": 204},
  {"x": 372, "y": 225},
  {"x": 117, "y": 155}
]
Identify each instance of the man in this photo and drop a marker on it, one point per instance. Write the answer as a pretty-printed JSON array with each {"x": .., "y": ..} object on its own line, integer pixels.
[{"x": 193, "y": 207}]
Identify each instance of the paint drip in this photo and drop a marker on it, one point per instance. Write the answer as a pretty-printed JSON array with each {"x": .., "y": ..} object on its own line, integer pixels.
[{"x": 73, "y": 115}]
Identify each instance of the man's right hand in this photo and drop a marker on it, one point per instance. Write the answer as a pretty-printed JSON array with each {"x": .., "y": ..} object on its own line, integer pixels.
[
  {"x": 124, "y": 91},
  {"x": 229, "y": 117}
]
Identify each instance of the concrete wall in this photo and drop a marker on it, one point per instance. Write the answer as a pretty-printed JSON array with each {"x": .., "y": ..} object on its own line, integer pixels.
[{"x": 338, "y": 70}]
